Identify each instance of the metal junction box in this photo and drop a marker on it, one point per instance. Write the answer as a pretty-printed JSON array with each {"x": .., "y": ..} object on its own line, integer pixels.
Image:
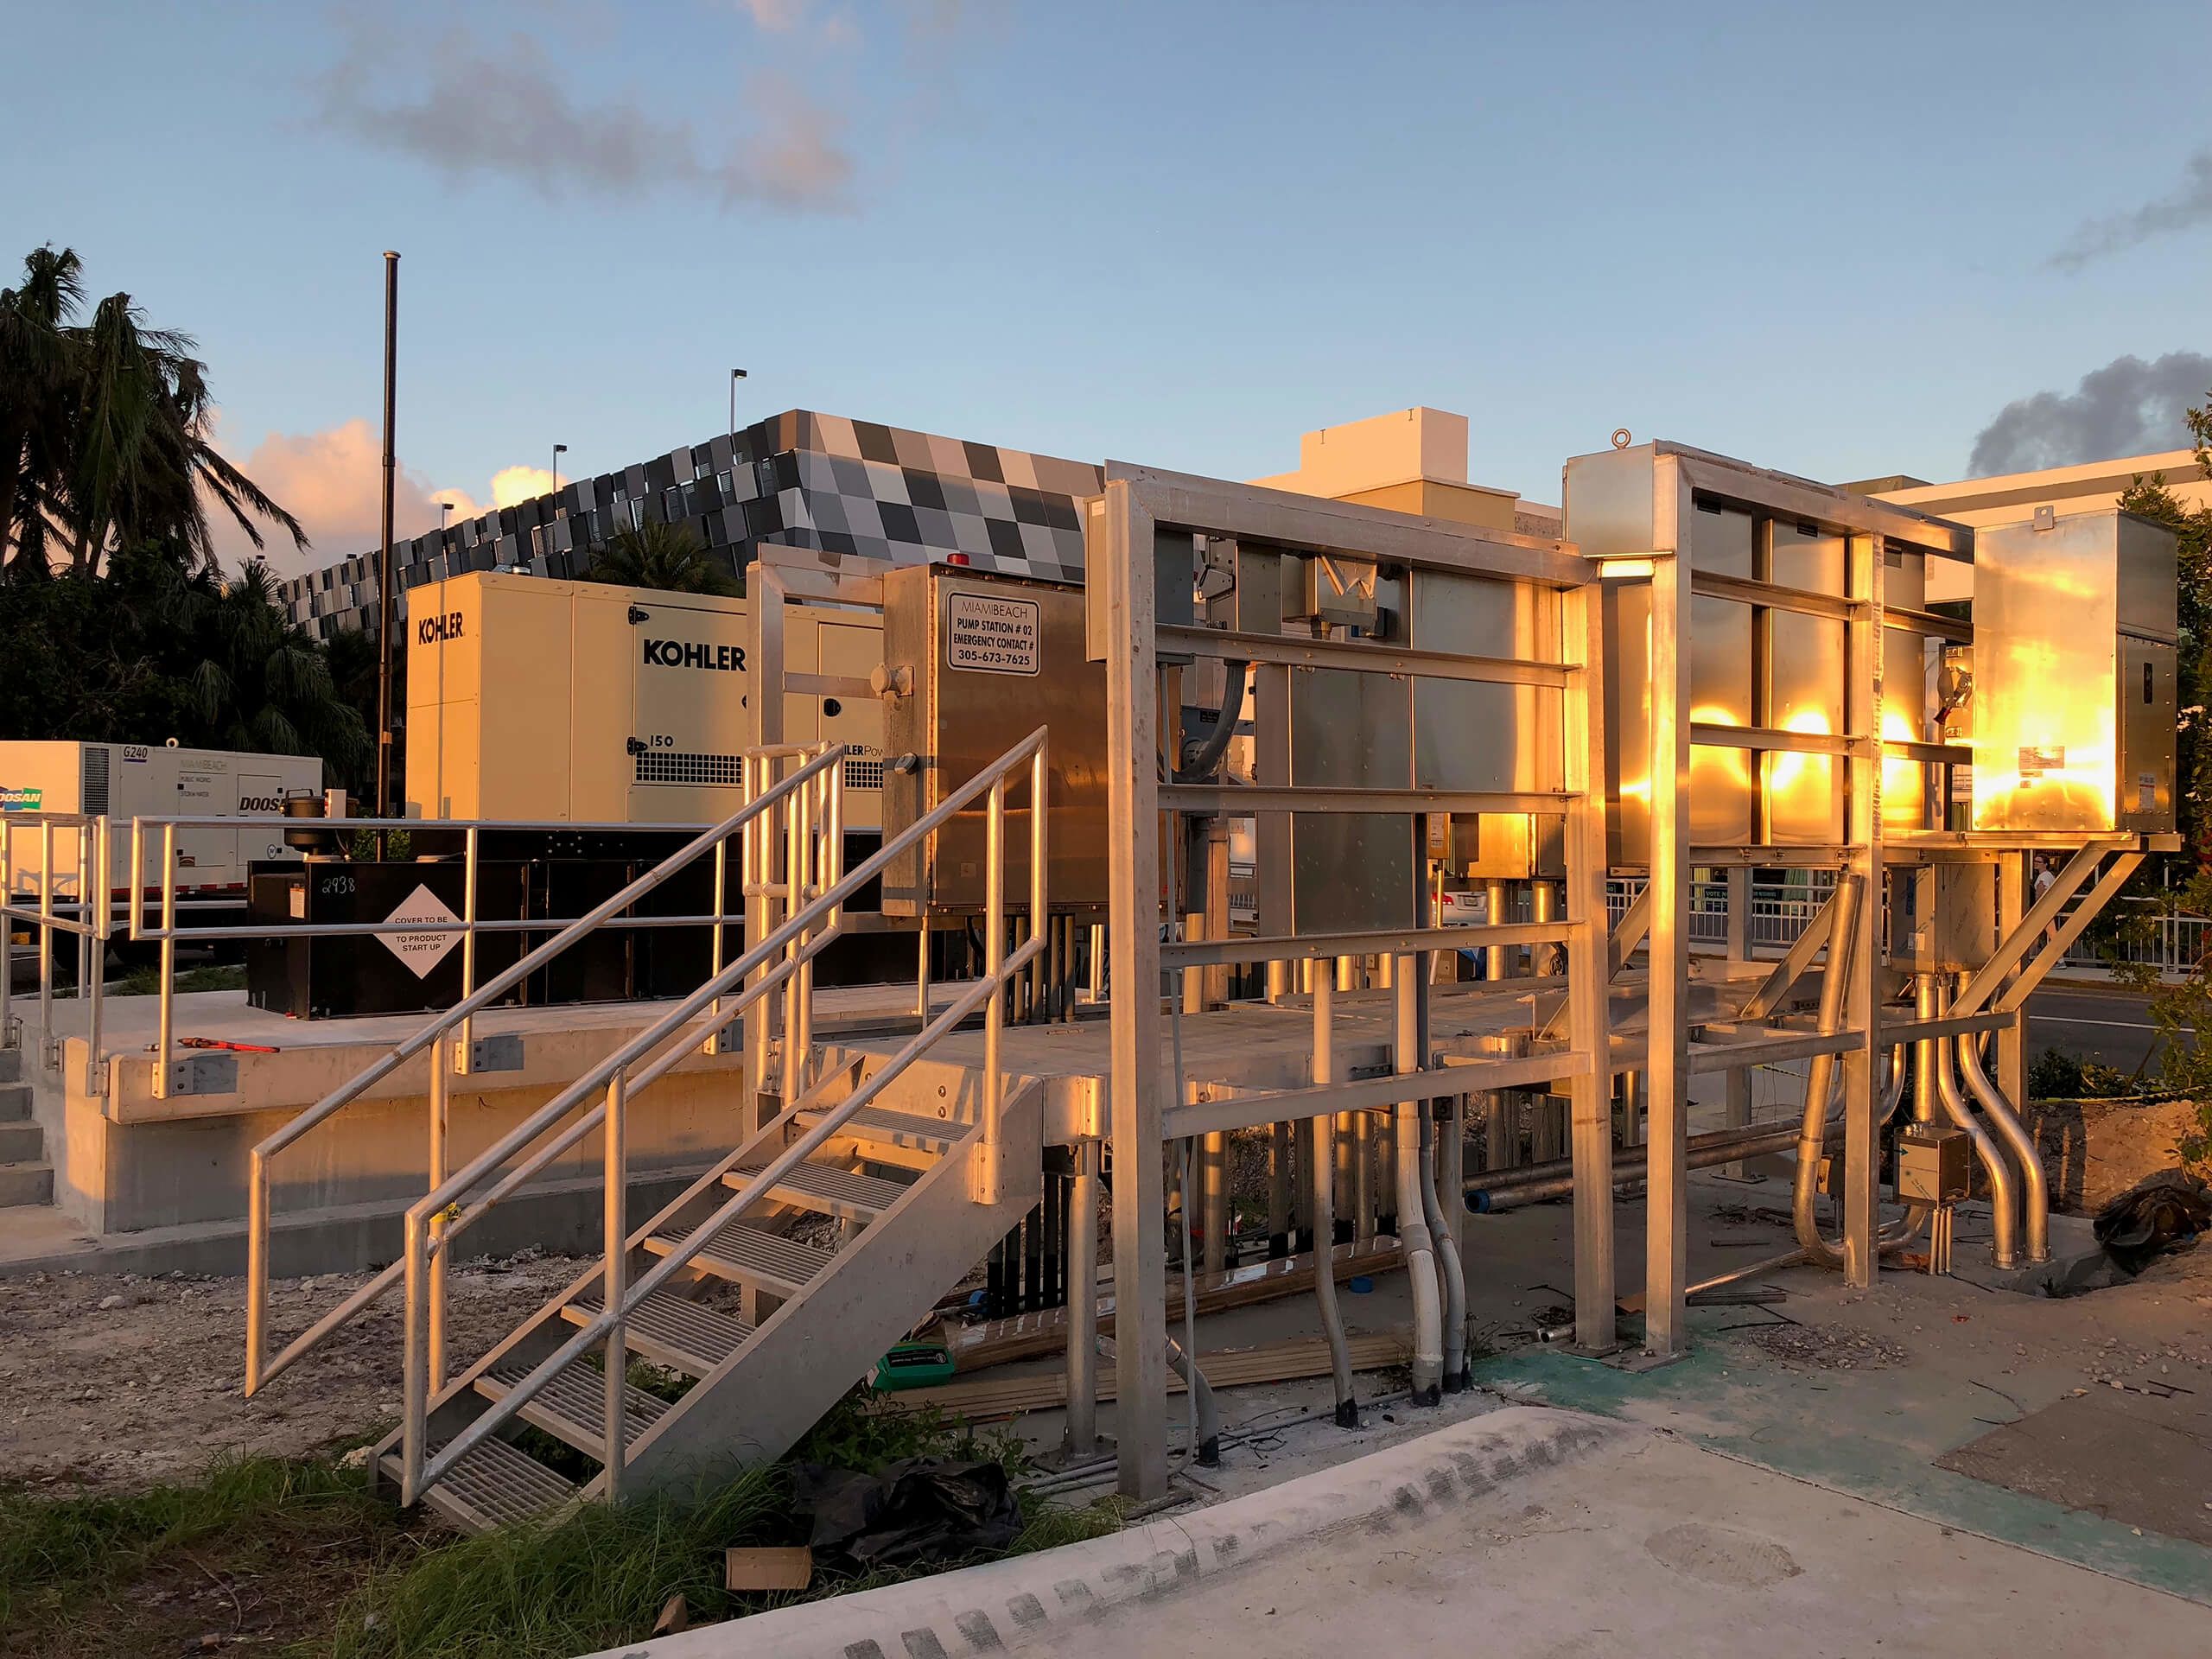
[
  {"x": 979, "y": 662},
  {"x": 1934, "y": 1165},
  {"x": 2074, "y": 675}
]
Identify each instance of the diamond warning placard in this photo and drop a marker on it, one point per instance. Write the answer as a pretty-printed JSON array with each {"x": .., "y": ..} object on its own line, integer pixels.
[
  {"x": 425, "y": 950},
  {"x": 993, "y": 635}
]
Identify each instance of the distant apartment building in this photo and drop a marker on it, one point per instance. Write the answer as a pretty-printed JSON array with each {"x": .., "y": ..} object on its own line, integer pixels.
[{"x": 823, "y": 483}]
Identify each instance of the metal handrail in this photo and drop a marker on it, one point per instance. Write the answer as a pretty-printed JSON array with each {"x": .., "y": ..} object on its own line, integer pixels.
[
  {"x": 427, "y": 1036},
  {"x": 418, "y": 1470},
  {"x": 91, "y": 925}
]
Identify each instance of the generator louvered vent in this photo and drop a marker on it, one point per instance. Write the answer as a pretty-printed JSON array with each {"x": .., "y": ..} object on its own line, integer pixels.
[
  {"x": 675, "y": 767},
  {"x": 863, "y": 774},
  {"x": 93, "y": 792}
]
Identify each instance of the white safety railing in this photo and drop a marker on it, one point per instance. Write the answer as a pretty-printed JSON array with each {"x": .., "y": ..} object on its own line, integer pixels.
[
  {"x": 776, "y": 960},
  {"x": 445, "y": 1035},
  {"x": 50, "y": 902},
  {"x": 2174, "y": 944}
]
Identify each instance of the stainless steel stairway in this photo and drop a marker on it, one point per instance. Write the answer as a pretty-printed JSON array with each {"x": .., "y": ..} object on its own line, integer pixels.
[{"x": 749, "y": 1390}]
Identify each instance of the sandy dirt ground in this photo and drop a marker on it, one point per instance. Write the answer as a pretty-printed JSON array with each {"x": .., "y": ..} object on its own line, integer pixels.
[{"x": 123, "y": 1381}]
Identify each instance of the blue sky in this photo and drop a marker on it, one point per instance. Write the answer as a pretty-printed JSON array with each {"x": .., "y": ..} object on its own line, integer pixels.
[{"x": 1835, "y": 239}]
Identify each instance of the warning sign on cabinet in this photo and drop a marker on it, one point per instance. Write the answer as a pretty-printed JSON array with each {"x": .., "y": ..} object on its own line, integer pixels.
[
  {"x": 425, "y": 950},
  {"x": 992, "y": 635}
]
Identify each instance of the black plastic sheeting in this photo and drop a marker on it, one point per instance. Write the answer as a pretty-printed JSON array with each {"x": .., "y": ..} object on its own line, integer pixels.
[
  {"x": 2162, "y": 1212},
  {"x": 918, "y": 1511}
]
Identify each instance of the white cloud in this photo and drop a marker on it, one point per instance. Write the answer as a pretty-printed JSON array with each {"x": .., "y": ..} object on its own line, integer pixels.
[
  {"x": 475, "y": 108},
  {"x": 513, "y": 483},
  {"x": 2184, "y": 207},
  {"x": 333, "y": 482},
  {"x": 2127, "y": 408}
]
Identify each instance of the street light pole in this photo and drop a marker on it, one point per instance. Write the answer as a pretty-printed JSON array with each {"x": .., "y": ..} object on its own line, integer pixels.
[
  {"x": 735, "y": 375},
  {"x": 384, "y": 780},
  {"x": 559, "y": 450}
]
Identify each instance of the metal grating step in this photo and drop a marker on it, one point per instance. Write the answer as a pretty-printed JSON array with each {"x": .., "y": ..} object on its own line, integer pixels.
[
  {"x": 495, "y": 1485},
  {"x": 782, "y": 1266},
  {"x": 898, "y": 1128},
  {"x": 824, "y": 1189},
  {"x": 669, "y": 1330},
  {"x": 572, "y": 1406}
]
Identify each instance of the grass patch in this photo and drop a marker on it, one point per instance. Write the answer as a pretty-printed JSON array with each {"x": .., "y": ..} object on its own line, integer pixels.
[
  {"x": 152, "y": 1571},
  {"x": 299, "y": 1558},
  {"x": 145, "y": 980},
  {"x": 598, "y": 1578}
]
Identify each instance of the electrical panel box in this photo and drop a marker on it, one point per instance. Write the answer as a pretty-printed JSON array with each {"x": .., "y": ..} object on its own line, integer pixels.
[
  {"x": 578, "y": 701},
  {"x": 2074, "y": 663},
  {"x": 975, "y": 663},
  {"x": 1934, "y": 1165},
  {"x": 128, "y": 780}
]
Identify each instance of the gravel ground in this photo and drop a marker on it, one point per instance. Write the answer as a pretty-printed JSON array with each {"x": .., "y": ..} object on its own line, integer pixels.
[
  {"x": 1828, "y": 1347},
  {"x": 115, "y": 1380}
]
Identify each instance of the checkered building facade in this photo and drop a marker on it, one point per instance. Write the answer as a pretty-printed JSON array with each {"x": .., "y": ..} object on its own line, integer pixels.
[{"x": 838, "y": 487}]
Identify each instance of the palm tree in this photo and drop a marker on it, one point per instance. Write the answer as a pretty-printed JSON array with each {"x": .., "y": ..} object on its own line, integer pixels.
[
  {"x": 663, "y": 555},
  {"x": 114, "y": 448},
  {"x": 34, "y": 373},
  {"x": 262, "y": 683}
]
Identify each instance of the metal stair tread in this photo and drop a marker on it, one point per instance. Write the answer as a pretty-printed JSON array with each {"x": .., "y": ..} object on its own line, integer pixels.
[
  {"x": 783, "y": 1267},
  {"x": 672, "y": 1330},
  {"x": 494, "y": 1485},
  {"x": 883, "y": 1121},
  {"x": 572, "y": 1406},
  {"x": 825, "y": 1188}
]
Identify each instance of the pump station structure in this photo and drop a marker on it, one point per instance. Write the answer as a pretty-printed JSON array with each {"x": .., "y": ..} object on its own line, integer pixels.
[{"x": 1190, "y": 851}]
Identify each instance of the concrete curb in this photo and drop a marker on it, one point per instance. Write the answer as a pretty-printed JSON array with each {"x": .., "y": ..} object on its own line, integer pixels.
[{"x": 1002, "y": 1607}]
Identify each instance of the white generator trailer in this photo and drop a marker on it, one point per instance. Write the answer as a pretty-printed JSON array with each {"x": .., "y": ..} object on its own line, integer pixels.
[{"x": 127, "y": 780}]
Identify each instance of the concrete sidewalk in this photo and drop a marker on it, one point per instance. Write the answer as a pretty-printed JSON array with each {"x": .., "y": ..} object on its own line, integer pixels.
[{"x": 1524, "y": 1531}]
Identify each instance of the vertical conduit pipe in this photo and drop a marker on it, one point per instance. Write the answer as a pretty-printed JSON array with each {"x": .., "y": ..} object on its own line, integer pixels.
[
  {"x": 1448, "y": 1254},
  {"x": 1820, "y": 1075},
  {"x": 1413, "y": 1231},
  {"x": 1321, "y": 1175}
]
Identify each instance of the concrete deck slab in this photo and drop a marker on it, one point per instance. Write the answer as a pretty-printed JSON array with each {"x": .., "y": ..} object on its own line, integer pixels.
[{"x": 1520, "y": 1533}]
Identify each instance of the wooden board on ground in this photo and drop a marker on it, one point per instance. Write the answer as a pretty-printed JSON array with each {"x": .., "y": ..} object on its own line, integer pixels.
[
  {"x": 1026, "y": 1336},
  {"x": 987, "y": 1397},
  {"x": 767, "y": 1568}
]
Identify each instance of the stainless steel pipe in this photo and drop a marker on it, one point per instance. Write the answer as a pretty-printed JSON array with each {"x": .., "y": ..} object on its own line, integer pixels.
[{"x": 2035, "y": 1189}]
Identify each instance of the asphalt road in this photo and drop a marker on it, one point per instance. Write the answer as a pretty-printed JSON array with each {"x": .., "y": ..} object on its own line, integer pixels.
[{"x": 2111, "y": 1025}]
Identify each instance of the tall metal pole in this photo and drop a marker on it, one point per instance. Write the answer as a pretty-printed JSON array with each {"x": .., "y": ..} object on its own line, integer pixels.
[{"x": 385, "y": 803}]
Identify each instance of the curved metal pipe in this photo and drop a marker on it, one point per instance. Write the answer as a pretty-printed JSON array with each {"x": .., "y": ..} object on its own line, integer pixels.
[
  {"x": 1819, "y": 1081},
  {"x": 1320, "y": 1176},
  {"x": 2004, "y": 1201},
  {"x": 1447, "y": 1252},
  {"x": 1423, "y": 1272},
  {"x": 1420, "y": 1246},
  {"x": 1197, "y": 764},
  {"x": 2035, "y": 1188}
]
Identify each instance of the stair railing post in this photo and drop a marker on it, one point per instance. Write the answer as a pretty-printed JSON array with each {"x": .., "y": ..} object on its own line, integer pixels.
[
  {"x": 990, "y": 1180},
  {"x": 45, "y": 936},
  {"x": 8, "y": 924},
  {"x": 166, "y": 1027},
  {"x": 442, "y": 1058},
  {"x": 257, "y": 1267},
  {"x": 1038, "y": 773},
  {"x": 415, "y": 1373},
  {"x": 616, "y": 1243},
  {"x": 465, "y": 1055}
]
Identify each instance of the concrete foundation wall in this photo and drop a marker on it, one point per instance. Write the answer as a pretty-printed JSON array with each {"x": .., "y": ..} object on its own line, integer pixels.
[{"x": 127, "y": 1162}]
